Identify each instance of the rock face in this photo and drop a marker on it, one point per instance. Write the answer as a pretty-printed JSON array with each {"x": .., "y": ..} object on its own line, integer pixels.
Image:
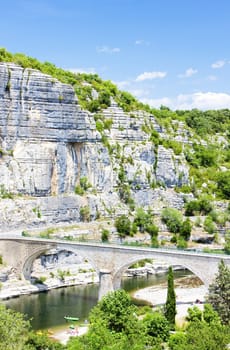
[{"x": 48, "y": 144}]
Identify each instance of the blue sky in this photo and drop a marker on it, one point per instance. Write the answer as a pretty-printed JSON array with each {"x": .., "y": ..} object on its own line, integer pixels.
[{"x": 170, "y": 52}]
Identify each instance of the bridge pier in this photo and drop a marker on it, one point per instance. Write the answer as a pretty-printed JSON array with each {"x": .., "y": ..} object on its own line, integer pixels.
[{"x": 106, "y": 283}]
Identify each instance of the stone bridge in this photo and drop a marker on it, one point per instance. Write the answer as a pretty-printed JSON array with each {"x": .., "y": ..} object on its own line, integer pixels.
[{"x": 110, "y": 261}]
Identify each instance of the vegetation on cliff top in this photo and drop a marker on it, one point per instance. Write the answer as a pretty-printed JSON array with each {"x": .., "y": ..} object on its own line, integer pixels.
[
  {"x": 202, "y": 137},
  {"x": 202, "y": 122}
]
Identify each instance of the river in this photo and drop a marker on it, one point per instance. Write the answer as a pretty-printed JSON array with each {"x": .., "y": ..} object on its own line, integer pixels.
[{"x": 47, "y": 309}]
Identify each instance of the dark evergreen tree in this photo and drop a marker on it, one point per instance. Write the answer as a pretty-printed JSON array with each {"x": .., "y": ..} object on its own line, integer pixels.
[
  {"x": 219, "y": 293},
  {"x": 170, "y": 306}
]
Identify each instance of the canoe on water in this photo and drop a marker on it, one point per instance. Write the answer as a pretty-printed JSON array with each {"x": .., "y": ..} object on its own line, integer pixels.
[{"x": 70, "y": 318}]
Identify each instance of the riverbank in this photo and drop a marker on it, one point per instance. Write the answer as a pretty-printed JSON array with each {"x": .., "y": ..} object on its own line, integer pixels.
[
  {"x": 189, "y": 292},
  {"x": 63, "y": 334}
]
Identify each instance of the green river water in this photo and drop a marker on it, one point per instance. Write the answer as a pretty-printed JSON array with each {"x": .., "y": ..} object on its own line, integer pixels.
[{"x": 47, "y": 309}]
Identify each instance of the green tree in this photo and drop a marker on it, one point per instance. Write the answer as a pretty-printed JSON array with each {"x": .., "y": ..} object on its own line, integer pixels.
[
  {"x": 157, "y": 326},
  {"x": 14, "y": 329},
  {"x": 41, "y": 342},
  {"x": 227, "y": 242},
  {"x": 105, "y": 235},
  {"x": 223, "y": 184},
  {"x": 172, "y": 218},
  {"x": 170, "y": 306},
  {"x": 123, "y": 225},
  {"x": 117, "y": 311},
  {"x": 209, "y": 225},
  {"x": 185, "y": 230},
  {"x": 200, "y": 335},
  {"x": 219, "y": 293},
  {"x": 85, "y": 213}
]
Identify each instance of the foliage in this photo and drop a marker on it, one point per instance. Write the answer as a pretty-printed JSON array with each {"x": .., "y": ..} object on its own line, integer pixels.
[
  {"x": 157, "y": 326},
  {"x": 223, "y": 184},
  {"x": 144, "y": 221},
  {"x": 219, "y": 293},
  {"x": 83, "y": 186},
  {"x": 123, "y": 225},
  {"x": 4, "y": 193},
  {"x": 185, "y": 230},
  {"x": 170, "y": 306},
  {"x": 105, "y": 235},
  {"x": 201, "y": 206},
  {"x": 204, "y": 156},
  {"x": 83, "y": 84},
  {"x": 181, "y": 243},
  {"x": 117, "y": 311},
  {"x": 172, "y": 218},
  {"x": 177, "y": 341},
  {"x": 209, "y": 225},
  {"x": 85, "y": 213},
  {"x": 194, "y": 314},
  {"x": 207, "y": 122},
  {"x": 175, "y": 145},
  {"x": 201, "y": 335},
  {"x": 227, "y": 242},
  {"x": 14, "y": 329},
  {"x": 40, "y": 341}
]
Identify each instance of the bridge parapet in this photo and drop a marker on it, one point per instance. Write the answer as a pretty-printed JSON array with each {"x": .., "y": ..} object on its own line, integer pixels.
[{"x": 110, "y": 261}]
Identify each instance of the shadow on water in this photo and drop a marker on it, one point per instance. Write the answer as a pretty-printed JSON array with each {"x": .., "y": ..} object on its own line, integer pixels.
[{"x": 47, "y": 309}]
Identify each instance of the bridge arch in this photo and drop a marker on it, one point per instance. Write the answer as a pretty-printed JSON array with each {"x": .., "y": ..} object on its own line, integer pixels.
[
  {"x": 29, "y": 261},
  {"x": 120, "y": 272}
]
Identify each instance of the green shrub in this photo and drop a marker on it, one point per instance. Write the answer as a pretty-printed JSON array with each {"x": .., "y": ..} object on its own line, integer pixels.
[
  {"x": 85, "y": 213},
  {"x": 209, "y": 225},
  {"x": 105, "y": 235},
  {"x": 172, "y": 218},
  {"x": 223, "y": 184},
  {"x": 40, "y": 280},
  {"x": 185, "y": 230},
  {"x": 123, "y": 225}
]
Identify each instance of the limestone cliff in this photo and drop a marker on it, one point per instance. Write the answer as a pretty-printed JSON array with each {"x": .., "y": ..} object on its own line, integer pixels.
[{"x": 48, "y": 144}]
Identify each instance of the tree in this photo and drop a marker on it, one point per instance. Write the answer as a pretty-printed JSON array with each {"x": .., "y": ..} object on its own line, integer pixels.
[
  {"x": 227, "y": 242},
  {"x": 157, "y": 326},
  {"x": 185, "y": 230},
  {"x": 200, "y": 335},
  {"x": 219, "y": 293},
  {"x": 105, "y": 235},
  {"x": 172, "y": 218},
  {"x": 14, "y": 329},
  {"x": 223, "y": 184},
  {"x": 123, "y": 225},
  {"x": 170, "y": 306},
  {"x": 41, "y": 341},
  {"x": 209, "y": 225},
  {"x": 117, "y": 310}
]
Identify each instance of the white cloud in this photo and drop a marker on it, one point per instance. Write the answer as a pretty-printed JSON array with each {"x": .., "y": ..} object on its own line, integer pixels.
[
  {"x": 89, "y": 70},
  {"x": 200, "y": 100},
  {"x": 121, "y": 84},
  {"x": 142, "y": 42},
  {"x": 204, "y": 100},
  {"x": 151, "y": 75},
  {"x": 218, "y": 64},
  {"x": 107, "y": 49},
  {"x": 212, "y": 77},
  {"x": 188, "y": 73},
  {"x": 139, "y": 93},
  {"x": 157, "y": 102}
]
